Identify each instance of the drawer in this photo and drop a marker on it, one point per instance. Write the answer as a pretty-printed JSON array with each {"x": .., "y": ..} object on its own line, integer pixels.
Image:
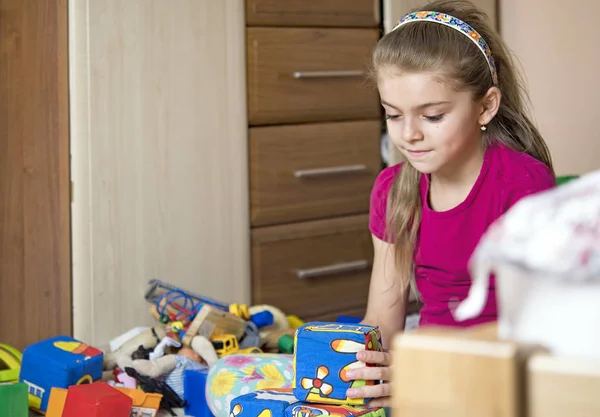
[
  {"x": 342, "y": 13},
  {"x": 300, "y": 75},
  {"x": 413, "y": 307},
  {"x": 310, "y": 171},
  {"x": 314, "y": 268}
]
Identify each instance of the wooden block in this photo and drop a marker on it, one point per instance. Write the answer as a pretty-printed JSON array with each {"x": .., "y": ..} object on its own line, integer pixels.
[
  {"x": 445, "y": 372},
  {"x": 211, "y": 321},
  {"x": 558, "y": 387},
  {"x": 154, "y": 312}
]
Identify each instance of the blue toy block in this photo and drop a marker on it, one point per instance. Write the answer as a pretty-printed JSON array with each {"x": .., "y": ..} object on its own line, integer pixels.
[
  {"x": 301, "y": 409},
  {"x": 324, "y": 353},
  {"x": 194, "y": 393},
  {"x": 59, "y": 362},
  {"x": 263, "y": 403},
  {"x": 13, "y": 400}
]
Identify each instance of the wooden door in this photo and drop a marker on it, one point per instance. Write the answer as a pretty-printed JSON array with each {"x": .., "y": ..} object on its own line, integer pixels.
[
  {"x": 160, "y": 162},
  {"x": 35, "y": 281}
]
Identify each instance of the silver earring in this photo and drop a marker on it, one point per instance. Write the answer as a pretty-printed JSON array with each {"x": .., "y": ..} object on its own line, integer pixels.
[{"x": 483, "y": 128}]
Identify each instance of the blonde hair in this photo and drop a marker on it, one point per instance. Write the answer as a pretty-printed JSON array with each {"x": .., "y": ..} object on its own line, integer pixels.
[{"x": 427, "y": 46}]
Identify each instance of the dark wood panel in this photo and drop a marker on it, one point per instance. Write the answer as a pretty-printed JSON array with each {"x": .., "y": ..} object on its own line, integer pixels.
[
  {"x": 35, "y": 282},
  {"x": 279, "y": 253},
  {"x": 298, "y": 75},
  {"x": 332, "y": 13},
  {"x": 311, "y": 171}
]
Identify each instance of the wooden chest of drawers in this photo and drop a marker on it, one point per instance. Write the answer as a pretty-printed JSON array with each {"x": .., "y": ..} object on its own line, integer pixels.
[
  {"x": 314, "y": 152},
  {"x": 298, "y": 75},
  {"x": 315, "y": 170},
  {"x": 326, "y": 13}
]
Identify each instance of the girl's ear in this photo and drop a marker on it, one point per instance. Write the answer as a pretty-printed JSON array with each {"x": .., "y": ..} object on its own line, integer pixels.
[{"x": 490, "y": 103}]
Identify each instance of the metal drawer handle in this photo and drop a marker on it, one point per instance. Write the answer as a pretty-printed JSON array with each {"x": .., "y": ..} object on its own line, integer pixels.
[
  {"x": 320, "y": 172},
  {"x": 332, "y": 269},
  {"x": 328, "y": 74}
]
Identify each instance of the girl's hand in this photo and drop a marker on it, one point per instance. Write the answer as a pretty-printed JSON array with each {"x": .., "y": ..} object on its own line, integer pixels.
[{"x": 381, "y": 393}]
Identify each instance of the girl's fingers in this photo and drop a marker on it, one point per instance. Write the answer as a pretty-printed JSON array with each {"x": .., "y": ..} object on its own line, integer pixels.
[
  {"x": 375, "y": 358},
  {"x": 380, "y": 402},
  {"x": 371, "y": 373},
  {"x": 370, "y": 391}
]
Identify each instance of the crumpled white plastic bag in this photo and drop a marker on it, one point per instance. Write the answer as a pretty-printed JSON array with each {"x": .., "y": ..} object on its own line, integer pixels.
[{"x": 546, "y": 241}]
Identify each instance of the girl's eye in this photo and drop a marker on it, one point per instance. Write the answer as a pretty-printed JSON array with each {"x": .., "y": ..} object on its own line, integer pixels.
[
  {"x": 436, "y": 118},
  {"x": 391, "y": 116}
]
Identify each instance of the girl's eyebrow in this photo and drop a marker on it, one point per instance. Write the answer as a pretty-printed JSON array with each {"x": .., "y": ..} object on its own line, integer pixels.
[{"x": 420, "y": 107}]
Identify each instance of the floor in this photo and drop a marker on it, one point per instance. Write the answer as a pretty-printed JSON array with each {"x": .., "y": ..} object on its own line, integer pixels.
[{"x": 179, "y": 412}]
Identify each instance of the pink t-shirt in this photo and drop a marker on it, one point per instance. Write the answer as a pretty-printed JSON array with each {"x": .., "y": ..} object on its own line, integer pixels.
[{"x": 447, "y": 239}]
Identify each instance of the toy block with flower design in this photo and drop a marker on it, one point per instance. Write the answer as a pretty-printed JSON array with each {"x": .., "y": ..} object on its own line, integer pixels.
[
  {"x": 263, "y": 403},
  {"x": 324, "y": 353}
]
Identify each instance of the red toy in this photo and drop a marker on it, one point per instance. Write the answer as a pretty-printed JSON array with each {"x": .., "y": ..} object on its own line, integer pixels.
[{"x": 96, "y": 400}]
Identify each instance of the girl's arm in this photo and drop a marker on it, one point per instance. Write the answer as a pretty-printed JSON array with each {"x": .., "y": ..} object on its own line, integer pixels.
[{"x": 388, "y": 293}]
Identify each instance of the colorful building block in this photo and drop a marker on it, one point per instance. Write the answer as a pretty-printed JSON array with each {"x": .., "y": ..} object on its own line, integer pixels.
[
  {"x": 96, "y": 400},
  {"x": 194, "y": 393},
  {"x": 324, "y": 353},
  {"x": 263, "y": 403},
  {"x": 144, "y": 404},
  {"x": 56, "y": 403},
  {"x": 309, "y": 410},
  {"x": 58, "y": 362},
  {"x": 13, "y": 400}
]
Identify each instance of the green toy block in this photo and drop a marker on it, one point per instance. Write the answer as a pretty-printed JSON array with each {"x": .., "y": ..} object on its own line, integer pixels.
[
  {"x": 565, "y": 179},
  {"x": 13, "y": 400}
]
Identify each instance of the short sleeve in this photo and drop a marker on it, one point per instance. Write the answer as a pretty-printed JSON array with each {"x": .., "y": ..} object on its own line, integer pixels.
[
  {"x": 534, "y": 178},
  {"x": 379, "y": 197}
]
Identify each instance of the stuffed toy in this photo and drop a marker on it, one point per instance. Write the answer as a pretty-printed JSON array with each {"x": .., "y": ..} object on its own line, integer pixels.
[
  {"x": 149, "y": 339},
  {"x": 171, "y": 367}
]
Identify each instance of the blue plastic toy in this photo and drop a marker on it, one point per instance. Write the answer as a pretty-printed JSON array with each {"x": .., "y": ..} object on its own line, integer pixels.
[
  {"x": 58, "y": 362},
  {"x": 194, "y": 389}
]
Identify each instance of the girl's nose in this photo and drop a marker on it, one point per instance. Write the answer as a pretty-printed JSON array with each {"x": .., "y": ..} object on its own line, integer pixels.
[{"x": 411, "y": 132}]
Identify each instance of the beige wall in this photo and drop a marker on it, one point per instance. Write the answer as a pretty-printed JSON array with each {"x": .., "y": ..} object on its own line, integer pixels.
[
  {"x": 159, "y": 158},
  {"x": 557, "y": 44}
]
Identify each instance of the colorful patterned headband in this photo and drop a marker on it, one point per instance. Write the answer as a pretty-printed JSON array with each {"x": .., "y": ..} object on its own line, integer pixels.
[{"x": 459, "y": 25}]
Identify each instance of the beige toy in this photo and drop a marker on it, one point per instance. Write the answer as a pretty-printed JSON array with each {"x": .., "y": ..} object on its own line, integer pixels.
[
  {"x": 149, "y": 339},
  {"x": 171, "y": 367}
]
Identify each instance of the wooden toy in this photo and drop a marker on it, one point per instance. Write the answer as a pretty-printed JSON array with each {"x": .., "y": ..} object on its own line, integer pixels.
[
  {"x": 96, "y": 400},
  {"x": 13, "y": 400},
  {"x": 562, "y": 386},
  {"x": 458, "y": 372},
  {"x": 324, "y": 352},
  {"x": 211, "y": 321},
  {"x": 58, "y": 362}
]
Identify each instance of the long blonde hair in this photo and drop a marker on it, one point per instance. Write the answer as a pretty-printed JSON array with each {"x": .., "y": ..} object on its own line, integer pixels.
[{"x": 426, "y": 46}]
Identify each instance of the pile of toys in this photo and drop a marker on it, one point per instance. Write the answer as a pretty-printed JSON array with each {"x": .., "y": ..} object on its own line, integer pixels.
[
  {"x": 324, "y": 353},
  {"x": 232, "y": 328},
  {"x": 62, "y": 377},
  {"x": 147, "y": 368}
]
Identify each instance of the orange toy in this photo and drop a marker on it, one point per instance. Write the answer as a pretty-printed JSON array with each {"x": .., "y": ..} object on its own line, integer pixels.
[{"x": 144, "y": 404}]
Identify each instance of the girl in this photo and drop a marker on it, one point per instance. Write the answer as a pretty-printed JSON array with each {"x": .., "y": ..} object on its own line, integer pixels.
[{"x": 455, "y": 108}]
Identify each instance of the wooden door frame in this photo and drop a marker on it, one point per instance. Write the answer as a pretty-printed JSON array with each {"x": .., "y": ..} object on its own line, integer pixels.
[{"x": 35, "y": 261}]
